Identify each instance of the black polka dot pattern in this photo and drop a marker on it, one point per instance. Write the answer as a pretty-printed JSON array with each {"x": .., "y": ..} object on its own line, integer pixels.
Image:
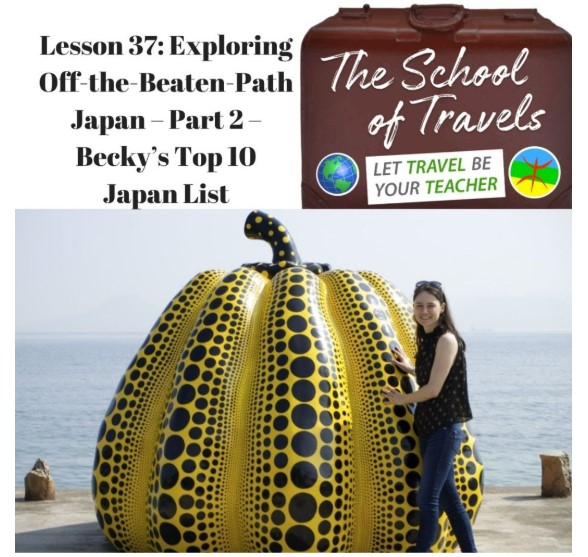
[
  {"x": 363, "y": 322},
  {"x": 251, "y": 420},
  {"x": 399, "y": 308},
  {"x": 261, "y": 226},
  {"x": 124, "y": 461},
  {"x": 300, "y": 462},
  {"x": 201, "y": 441}
]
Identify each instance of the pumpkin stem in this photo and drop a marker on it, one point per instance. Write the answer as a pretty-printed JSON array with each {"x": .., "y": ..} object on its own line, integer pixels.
[{"x": 261, "y": 226}]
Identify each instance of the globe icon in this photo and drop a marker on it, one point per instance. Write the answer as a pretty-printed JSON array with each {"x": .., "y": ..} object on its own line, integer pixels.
[{"x": 337, "y": 174}]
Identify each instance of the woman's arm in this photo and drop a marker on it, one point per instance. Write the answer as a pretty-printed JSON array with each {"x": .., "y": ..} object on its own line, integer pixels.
[{"x": 445, "y": 353}]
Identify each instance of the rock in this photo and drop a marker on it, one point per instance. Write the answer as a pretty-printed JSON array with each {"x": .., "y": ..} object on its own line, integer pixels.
[
  {"x": 556, "y": 476},
  {"x": 39, "y": 485}
]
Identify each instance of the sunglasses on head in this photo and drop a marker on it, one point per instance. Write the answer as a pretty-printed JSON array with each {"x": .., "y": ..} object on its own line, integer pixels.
[{"x": 424, "y": 283}]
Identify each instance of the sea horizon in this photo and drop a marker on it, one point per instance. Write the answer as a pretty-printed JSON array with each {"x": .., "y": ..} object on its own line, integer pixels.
[
  {"x": 143, "y": 334},
  {"x": 511, "y": 431}
]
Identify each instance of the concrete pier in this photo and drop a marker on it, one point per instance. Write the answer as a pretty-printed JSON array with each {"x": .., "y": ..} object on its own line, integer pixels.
[{"x": 511, "y": 520}]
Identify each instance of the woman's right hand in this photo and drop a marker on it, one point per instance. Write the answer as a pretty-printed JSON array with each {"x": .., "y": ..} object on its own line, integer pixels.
[{"x": 401, "y": 360}]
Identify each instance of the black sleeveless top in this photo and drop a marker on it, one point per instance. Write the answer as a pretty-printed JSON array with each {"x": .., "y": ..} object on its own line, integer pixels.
[{"x": 452, "y": 405}]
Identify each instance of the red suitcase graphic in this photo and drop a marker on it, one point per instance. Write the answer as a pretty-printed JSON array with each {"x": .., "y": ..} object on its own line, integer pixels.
[{"x": 436, "y": 106}]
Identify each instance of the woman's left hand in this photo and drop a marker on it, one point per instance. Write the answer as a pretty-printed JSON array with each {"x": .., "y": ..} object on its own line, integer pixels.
[{"x": 392, "y": 396}]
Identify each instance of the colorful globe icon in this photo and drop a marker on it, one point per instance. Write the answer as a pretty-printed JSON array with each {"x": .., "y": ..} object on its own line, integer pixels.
[
  {"x": 337, "y": 174},
  {"x": 534, "y": 172}
]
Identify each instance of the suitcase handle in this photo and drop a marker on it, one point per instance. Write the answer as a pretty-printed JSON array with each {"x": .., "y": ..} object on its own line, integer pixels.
[{"x": 435, "y": 17}]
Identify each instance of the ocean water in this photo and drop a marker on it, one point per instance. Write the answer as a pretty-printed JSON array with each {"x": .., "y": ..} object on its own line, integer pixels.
[{"x": 520, "y": 390}]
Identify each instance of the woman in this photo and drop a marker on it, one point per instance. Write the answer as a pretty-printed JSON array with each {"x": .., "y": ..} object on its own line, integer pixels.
[{"x": 442, "y": 405}]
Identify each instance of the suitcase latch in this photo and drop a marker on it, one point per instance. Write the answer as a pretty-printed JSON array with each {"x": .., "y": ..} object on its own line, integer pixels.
[{"x": 355, "y": 13}]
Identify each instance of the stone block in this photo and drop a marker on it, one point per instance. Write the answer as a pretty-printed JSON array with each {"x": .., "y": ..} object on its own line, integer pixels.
[
  {"x": 39, "y": 485},
  {"x": 556, "y": 475}
]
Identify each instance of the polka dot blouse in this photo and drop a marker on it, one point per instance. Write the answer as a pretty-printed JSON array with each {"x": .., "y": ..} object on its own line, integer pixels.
[{"x": 452, "y": 405}]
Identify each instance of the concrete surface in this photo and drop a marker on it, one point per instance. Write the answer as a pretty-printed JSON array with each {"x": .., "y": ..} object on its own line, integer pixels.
[{"x": 511, "y": 520}]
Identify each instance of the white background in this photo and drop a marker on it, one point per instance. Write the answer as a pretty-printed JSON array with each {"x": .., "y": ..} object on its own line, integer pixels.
[
  {"x": 40, "y": 151},
  {"x": 38, "y": 159}
]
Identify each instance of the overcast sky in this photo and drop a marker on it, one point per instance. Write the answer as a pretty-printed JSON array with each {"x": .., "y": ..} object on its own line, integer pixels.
[{"x": 114, "y": 271}]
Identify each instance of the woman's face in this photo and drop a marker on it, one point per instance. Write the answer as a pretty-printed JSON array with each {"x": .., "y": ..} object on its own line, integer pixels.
[{"x": 427, "y": 310}]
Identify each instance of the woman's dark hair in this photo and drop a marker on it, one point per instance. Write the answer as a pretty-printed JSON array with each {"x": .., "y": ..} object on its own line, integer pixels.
[{"x": 446, "y": 320}]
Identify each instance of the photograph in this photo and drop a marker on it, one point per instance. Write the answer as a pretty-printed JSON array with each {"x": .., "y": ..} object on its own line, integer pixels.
[{"x": 281, "y": 394}]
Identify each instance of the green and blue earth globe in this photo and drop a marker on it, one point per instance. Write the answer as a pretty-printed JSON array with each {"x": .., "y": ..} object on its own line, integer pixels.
[{"x": 337, "y": 174}]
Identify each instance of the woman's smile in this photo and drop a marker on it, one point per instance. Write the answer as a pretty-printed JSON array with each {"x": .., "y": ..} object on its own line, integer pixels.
[{"x": 427, "y": 310}]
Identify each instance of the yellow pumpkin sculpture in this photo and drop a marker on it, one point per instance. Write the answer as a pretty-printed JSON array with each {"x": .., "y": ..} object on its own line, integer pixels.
[{"x": 251, "y": 418}]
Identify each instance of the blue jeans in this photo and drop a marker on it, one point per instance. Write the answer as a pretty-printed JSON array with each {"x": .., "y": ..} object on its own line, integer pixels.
[{"x": 438, "y": 493}]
